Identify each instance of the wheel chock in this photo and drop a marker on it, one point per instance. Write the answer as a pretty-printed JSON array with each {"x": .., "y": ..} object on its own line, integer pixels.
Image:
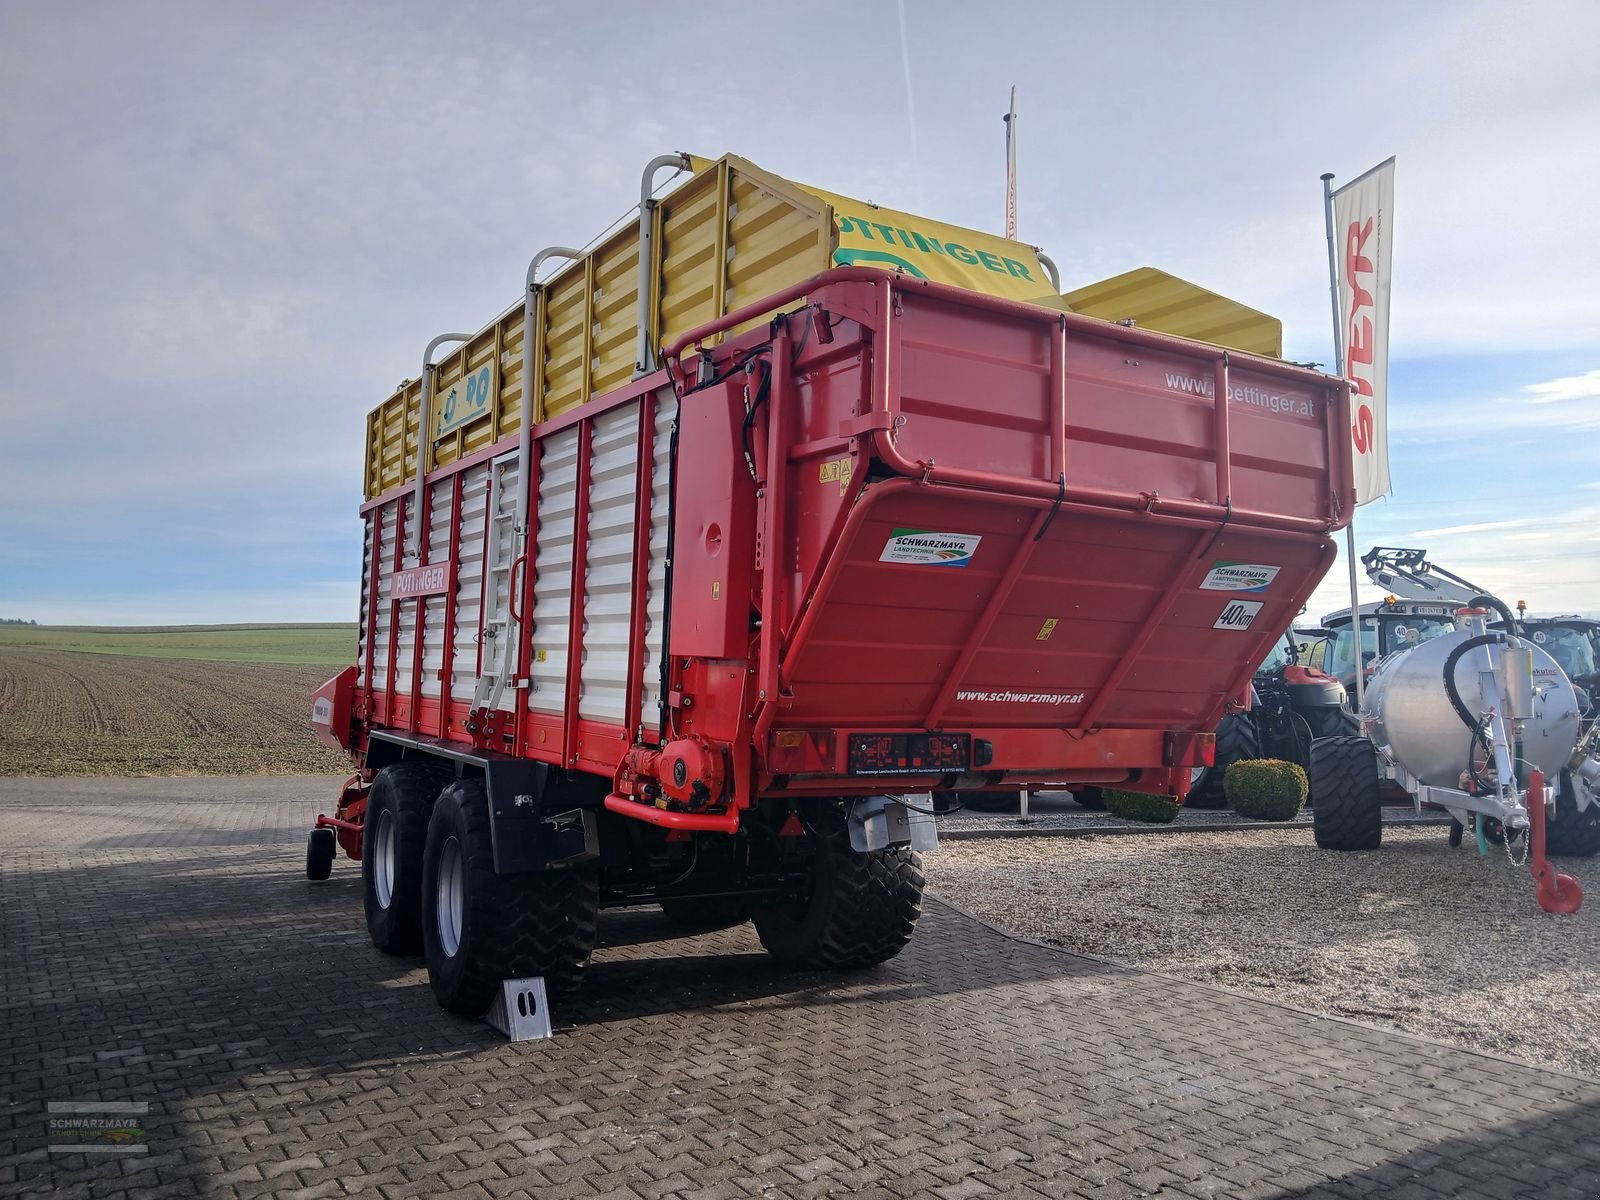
[{"x": 521, "y": 1011}]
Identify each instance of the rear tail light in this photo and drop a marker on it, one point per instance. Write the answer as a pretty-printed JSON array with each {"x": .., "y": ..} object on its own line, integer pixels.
[
  {"x": 1191, "y": 749},
  {"x": 909, "y": 753},
  {"x": 801, "y": 752}
]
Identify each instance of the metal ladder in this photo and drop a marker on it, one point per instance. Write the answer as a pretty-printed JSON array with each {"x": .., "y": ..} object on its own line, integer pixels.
[{"x": 499, "y": 561}]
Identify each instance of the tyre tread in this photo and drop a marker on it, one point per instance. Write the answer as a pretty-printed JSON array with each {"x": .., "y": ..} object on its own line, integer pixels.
[
  {"x": 416, "y": 784},
  {"x": 1347, "y": 810},
  {"x": 1237, "y": 739},
  {"x": 868, "y": 916},
  {"x": 534, "y": 923},
  {"x": 1572, "y": 834}
]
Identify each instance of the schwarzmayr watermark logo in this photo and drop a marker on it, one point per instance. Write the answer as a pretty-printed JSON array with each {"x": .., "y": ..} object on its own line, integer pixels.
[{"x": 95, "y": 1127}]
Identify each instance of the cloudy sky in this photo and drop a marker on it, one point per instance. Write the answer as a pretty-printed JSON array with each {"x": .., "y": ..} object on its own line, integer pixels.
[{"x": 230, "y": 229}]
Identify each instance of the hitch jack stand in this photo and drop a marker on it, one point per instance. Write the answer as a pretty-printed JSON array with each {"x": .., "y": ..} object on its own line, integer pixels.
[{"x": 1556, "y": 893}]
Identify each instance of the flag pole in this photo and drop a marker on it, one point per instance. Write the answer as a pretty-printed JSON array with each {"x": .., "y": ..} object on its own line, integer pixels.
[
  {"x": 1338, "y": 367},
  {"x": 1011, "y": 167}
]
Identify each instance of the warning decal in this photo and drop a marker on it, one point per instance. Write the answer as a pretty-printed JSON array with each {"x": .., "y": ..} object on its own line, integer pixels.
[
  {"x": 1238, "y": 577},
  {"x": 926, "y": 548},
  {"x": 1238, "y": 614}
]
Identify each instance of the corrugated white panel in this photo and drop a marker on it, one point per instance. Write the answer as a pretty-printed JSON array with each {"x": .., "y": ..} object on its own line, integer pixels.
[
  {"x": 552, "y": 564},
  {"x": 608, "y": 574},
  {"x": 406, "y": 629},
  {"x": 406, "y": 640},
  {"x": 469, "y": 582},
  {"x": 660, "y": 520},
  {"x": 440, "y": 519},
  {"x": 380, "y": 621},
  {"x": 503, "y": 551},
  {"x": 365, "y": 618}
]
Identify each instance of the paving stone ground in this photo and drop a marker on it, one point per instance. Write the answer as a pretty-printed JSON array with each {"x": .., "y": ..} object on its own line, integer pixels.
[{"x": 161, "y": 946}]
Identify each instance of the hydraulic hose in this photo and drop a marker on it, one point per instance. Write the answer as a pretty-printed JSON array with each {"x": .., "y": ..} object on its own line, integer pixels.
[
  {"x": 1487, "y": 601},
  {"x": 1462, "y": 711}
]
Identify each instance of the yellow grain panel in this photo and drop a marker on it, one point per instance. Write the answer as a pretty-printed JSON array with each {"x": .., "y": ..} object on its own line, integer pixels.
[
  {"x": 772, "y": 244},
  {"x": 688, "y": 245},
  {"x": 392, "y": 439},
  {"x": 566, "y": 304},
  {"x": 1153, "y": 299},
  {"x": 508, "y": 398},
  {"x": 614, "y": 308}
]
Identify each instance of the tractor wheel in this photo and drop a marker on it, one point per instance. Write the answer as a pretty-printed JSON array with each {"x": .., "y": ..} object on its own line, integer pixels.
[
  {"x": 1348, "y": 814},
  {"x": 705, "y": 913},
  {"x": 320, "y": 851},
  {"x": 861, "y": 911},
  {"x": 1092, "y": 798},
  {"x": 1570, "y": 833},
  {"x": 1237, "y": 739},
  {"x": 480, "y": 928},
  {"x": 392, "y": 835},
  {"x": 1328, "y": 721},
  {"x": 988, "y": 802}
]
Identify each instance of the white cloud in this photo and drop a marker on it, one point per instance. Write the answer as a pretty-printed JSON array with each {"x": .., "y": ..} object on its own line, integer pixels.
[
  {"x": 1457, "y": 530},
  {"x": 1572, "y": 387}
]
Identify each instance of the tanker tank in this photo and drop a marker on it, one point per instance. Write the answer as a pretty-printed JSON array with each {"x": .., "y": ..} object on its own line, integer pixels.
[{"x": 1415, "y": 720}]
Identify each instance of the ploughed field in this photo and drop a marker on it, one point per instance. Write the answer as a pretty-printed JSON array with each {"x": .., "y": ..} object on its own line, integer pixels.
[{"x": 213, "y": 700}]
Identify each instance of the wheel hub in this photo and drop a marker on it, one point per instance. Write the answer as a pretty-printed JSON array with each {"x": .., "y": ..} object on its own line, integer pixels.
[
  {"x": 383, "y": 856},
  {"x": 449, "y": 897}
]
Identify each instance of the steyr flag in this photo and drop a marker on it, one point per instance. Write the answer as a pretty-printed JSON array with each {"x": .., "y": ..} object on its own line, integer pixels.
[{"x": 1363, "y": 233}]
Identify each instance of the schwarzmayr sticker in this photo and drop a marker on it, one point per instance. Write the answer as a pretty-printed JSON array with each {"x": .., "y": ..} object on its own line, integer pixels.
[
  {"x": 1238, "y": 577},
  {"x": 926, "y": 548}
]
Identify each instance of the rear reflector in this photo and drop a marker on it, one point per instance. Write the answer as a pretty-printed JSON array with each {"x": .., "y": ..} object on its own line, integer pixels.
[
  {"x": 1190, "y": 749},
  {"x": 802, "y": 752},
  {"x": 908, "y": 753}
]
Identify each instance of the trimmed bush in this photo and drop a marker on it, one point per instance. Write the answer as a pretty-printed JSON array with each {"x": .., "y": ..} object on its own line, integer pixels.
[
  {"x": 1140, "y": 806},
  {"x": 1266, "y": 789}
]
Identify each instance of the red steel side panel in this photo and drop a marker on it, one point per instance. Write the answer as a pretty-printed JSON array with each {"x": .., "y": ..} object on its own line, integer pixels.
[
  {"x": 1117, "y": 615},
  {"x": 888, "y": 634},
  {"x": 975, "y": 393}
]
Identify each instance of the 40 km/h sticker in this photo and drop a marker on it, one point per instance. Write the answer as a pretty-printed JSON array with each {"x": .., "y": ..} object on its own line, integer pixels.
[
  {"x": 1238, "y": 614},
  {"x": 926, "y": 548}
]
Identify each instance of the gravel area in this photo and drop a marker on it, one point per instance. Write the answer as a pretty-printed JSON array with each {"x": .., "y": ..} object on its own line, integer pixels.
[{"x": 1415, "y": 936}]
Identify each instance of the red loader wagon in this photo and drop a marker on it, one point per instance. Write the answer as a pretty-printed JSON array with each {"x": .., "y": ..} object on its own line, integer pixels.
[{"x": 865, "y": 538}]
